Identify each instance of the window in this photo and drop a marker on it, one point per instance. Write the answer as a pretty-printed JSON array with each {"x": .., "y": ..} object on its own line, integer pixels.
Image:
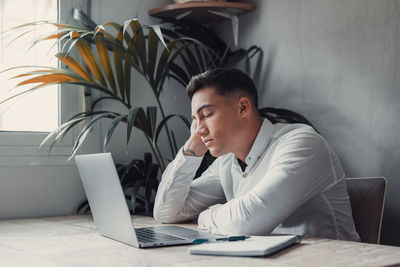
[
  {"x": 19, "y": 139},
  {"x": 24, "y": 113}
]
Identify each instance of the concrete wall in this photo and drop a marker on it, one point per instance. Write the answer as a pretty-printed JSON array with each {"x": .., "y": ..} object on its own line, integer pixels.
[{"x": 337, "y": 62}]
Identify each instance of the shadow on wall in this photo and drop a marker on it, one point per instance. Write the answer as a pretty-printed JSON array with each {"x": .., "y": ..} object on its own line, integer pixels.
[
  {"x": 260, "y": 75},
  {"x": 355, "y": 138}
]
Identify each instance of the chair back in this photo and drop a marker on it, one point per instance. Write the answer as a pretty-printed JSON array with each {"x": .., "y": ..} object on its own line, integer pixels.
[{"x": 367, "y": 198}]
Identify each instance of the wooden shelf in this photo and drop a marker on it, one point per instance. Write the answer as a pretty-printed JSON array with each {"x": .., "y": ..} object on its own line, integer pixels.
[{"x": 200, "y": 10}]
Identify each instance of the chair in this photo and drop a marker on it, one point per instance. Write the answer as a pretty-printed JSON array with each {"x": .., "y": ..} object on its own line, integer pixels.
[{"x": 367, "y": 198}]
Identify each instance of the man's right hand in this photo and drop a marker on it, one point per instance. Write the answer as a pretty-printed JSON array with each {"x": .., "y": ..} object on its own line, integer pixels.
[{"x": 194, "y": 146}]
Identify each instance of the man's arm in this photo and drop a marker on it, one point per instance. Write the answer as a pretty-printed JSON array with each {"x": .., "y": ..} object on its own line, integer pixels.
[
  {"x": 300, "y": 169},
  {"x": 179, "y": 198}
]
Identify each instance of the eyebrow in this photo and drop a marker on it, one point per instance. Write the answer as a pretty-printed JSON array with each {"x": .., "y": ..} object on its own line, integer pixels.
[{"x": 202, "y": 107}]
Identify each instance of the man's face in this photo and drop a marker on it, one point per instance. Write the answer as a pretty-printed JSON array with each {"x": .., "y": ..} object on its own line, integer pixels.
[{"x": 217, "y": 120}]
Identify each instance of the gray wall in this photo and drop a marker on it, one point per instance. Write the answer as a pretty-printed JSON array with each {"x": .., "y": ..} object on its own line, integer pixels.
[{"x": 338, "y": 63}]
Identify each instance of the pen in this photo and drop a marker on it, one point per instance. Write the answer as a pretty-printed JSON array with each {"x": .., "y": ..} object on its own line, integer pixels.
[{"x": 228, "y": 239}]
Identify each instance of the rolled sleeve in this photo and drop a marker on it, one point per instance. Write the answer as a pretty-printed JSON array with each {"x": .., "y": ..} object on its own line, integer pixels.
[
  {"x": 174, "y": 188},
  {"x": 179, "y": 198}
]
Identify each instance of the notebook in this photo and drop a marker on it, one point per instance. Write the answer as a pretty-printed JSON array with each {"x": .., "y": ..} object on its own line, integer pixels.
[
  {"x": 110, "y": 211},
  {"x": 251, "y": 247}
]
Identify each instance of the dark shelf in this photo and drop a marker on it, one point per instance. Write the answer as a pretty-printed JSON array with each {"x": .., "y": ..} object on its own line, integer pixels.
[{"x": 200, "y": 10}]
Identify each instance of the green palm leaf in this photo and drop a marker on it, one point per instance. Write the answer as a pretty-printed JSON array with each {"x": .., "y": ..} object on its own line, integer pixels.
[
  {"x": 151, "y": 118},
  {"x": 102, "y": 89},
  {"x": 181, "y": 75},
  {"x": 86, "y": 130},
  {"x": 57, "y": 132},
  {"x": 139, "y": 40},
  {"x": 110, "y": 131},
  {"x": 174, "y": 141},
  {"x": 136, "y": 117},
  {"x": 127, "y": 73},
  {"x": 63, "y": 129},
  {"x": 126, "y": 36},
  {"x": 98, "y": 100},
  {"x": 164, "y": 121},
  {"x": 152, "y": 46},
  {"x": 84, "y": 19},
  {"x": 118, "y": 65},
  {"x": 161, "y": 67}
]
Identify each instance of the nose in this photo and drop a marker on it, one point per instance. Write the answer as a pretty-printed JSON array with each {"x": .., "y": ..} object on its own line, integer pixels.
[{"x": 201, "y": 129}]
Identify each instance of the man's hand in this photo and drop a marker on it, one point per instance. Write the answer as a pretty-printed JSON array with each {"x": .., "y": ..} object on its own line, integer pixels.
[{"x": 194, "y": 146}]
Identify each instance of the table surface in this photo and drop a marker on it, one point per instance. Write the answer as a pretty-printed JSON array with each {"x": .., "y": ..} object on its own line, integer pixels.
[{"x": 74, "y": 241}]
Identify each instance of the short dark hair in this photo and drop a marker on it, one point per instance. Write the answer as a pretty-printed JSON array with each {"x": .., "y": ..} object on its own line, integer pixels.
[{"x": 225, "y": 81}]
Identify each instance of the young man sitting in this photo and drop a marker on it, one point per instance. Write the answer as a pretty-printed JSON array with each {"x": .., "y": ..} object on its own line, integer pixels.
[{"x": 268, "y": 178}]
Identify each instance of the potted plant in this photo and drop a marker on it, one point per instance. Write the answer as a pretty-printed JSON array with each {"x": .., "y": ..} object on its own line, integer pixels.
[{"x": 107, "y": 61}]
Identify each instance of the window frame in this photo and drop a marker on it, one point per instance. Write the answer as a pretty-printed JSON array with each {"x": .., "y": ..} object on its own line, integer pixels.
[{"x": 19, "y": 148}]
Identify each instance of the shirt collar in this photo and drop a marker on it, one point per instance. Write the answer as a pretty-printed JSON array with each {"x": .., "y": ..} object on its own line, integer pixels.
[{"x": 260, "y": 144}]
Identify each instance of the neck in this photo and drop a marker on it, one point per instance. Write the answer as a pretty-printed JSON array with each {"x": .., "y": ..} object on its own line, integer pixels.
[{"x": 248, "y": 136}]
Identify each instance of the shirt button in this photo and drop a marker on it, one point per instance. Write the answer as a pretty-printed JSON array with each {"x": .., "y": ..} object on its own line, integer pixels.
[
  {"x": 245, "y": 175},
  {"x": 169, "y": 182},
  {"x": 258, "y": 157}
]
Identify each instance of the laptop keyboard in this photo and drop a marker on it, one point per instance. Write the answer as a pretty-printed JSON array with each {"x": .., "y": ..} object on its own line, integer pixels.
[{"x": 147, "y": 235}]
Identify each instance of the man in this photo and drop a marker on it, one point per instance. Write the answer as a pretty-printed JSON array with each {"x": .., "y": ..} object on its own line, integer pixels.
[{"x": 279, "y": 178}]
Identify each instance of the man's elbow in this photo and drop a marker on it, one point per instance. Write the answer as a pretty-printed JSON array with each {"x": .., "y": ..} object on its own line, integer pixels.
[
  {"x": 163, "y": 217},
  {"x": 161, "y": 213},
  {"x": 158, "y": 216}
]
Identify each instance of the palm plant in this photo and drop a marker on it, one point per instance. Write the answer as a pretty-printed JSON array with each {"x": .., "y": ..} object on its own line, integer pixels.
[
  {"x": 105, "y": 62},
  {"x": 131, "y": 49},
  {"x": 212, "y": 53},
  {"x": 136, "y": 47}
]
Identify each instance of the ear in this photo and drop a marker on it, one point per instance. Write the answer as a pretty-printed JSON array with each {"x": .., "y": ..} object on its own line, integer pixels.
[{"x": 244, "y": 106}]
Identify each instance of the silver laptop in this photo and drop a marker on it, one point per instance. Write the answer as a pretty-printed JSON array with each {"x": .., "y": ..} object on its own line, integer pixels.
[{"x": 110, "y": 211}]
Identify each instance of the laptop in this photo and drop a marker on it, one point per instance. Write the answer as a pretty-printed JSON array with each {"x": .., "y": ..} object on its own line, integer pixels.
[{"x": 110, "y": 211}]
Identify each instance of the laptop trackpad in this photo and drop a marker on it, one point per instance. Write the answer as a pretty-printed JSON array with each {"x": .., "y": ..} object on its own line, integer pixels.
[{"x": 184, "y": 232}]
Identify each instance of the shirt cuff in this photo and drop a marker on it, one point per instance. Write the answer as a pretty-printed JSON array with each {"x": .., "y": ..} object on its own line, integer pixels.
[
  {"x": 190, "y": 163},
  {"x": 180, "y": 153},
  {"x": 205, "y": 221}
]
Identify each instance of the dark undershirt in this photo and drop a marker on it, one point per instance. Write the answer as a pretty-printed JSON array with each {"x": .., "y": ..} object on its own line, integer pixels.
[{"x": 242, "y": 165}]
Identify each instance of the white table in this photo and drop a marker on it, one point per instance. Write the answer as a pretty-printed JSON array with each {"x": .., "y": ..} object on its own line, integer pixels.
[{"x": 74, "y": 241}]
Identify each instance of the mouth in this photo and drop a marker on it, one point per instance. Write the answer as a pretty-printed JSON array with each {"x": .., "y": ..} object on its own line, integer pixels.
[{"x": 208, "y": 142}]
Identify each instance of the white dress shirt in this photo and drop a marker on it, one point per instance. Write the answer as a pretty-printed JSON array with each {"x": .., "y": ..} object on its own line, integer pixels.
[{"x": 293, "y": 183}]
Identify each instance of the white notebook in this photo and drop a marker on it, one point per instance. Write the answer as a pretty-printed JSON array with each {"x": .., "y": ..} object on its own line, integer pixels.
[{"x": 253, "y": 246}]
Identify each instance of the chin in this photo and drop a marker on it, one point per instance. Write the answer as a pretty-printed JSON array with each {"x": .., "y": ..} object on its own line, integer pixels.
[
  {"x": 216, "y": 153},
  {"x": 213, "y": 154}
]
